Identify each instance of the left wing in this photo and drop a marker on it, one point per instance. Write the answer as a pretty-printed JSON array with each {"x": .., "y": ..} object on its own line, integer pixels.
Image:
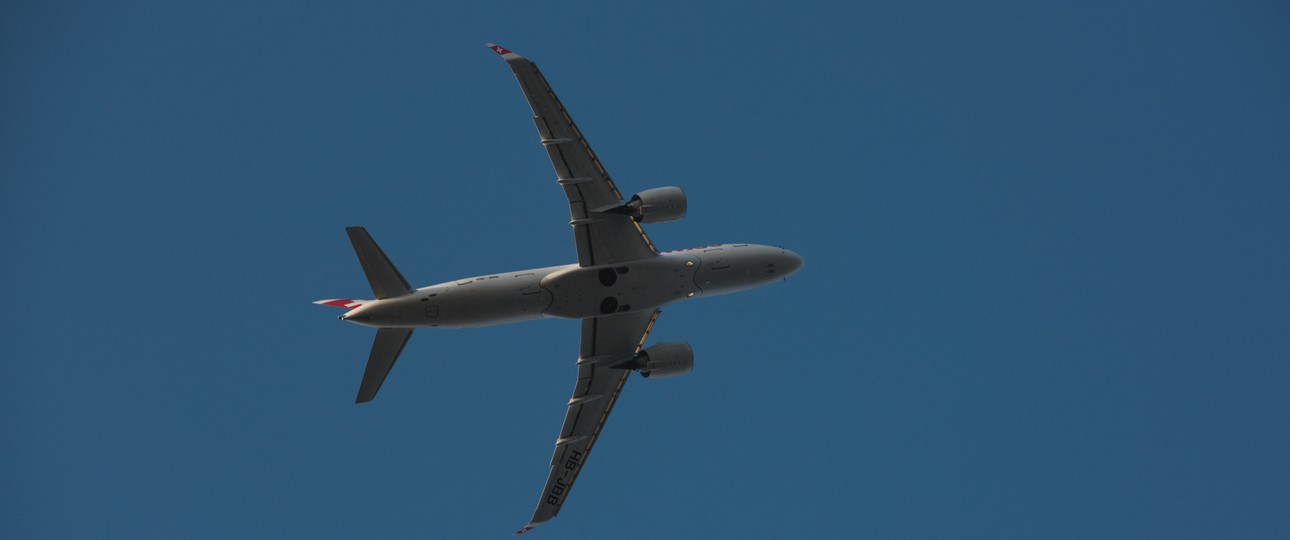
[
  {"x": 602, "y": 237},
  {"x": 606, "y": 341}
]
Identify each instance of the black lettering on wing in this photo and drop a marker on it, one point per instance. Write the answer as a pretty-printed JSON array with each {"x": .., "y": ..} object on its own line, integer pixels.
[
  {"x": 574, "y": 460},
  {"x": 557, "y": 489}
]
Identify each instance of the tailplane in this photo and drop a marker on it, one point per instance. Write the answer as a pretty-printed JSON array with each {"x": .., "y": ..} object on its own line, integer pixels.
[
  {"x": 385, "y": 279},
  {"x": 385, "y": 351},
  {"x": 386, "y": 282}
]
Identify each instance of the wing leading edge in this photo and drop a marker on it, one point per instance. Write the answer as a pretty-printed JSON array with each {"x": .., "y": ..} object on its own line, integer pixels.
[
  {"x": 606, "y": 341},
  {"x": 601, "y": 237}
]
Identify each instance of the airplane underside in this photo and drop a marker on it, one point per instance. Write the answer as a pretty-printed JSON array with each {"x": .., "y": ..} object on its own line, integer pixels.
[{"x": 616, "y": 288}]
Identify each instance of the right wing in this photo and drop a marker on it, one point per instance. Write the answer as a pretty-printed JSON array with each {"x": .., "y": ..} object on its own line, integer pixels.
[
  {"x": 601, "y": 237},
  {"x": 606, "y": 341}
]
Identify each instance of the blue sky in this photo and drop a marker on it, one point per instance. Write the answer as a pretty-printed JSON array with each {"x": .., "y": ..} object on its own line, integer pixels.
[{"x": 1045, "y": 292}]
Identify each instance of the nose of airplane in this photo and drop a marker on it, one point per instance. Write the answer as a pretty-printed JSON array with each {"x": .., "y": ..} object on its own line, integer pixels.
[{"x": 790, "y": 262}]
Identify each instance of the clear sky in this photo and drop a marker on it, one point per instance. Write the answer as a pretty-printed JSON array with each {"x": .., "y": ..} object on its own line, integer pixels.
[{"x": 1045, "y": 292}]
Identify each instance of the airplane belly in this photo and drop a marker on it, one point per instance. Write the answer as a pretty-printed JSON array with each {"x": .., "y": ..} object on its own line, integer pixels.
[
  {"x": 484, "y": 301},
  {"x": 639, "y": 285}
]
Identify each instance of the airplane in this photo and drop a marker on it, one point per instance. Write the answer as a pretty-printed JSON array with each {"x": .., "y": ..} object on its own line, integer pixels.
[{"x": 616, "y": 288}]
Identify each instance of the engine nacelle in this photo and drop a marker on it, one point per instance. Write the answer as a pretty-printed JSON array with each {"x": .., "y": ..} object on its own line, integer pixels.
[
  {"x": 665, "y": 360},
  {"x": 657, "y": 205}
]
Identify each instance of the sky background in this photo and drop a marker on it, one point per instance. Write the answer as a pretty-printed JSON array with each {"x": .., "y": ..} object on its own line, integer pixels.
[{"x": 1045, "y": 292}]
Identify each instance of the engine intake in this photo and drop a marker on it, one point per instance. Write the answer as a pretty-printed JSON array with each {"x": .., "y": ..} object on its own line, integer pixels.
[
  {"x": 657, "y": 205},
  {"x": 665, "y": 360}
]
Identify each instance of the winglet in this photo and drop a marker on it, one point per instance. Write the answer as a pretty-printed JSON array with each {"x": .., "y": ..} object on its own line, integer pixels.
[
  {"x": 508, "y": 55},
  {"x": 526, "y": 528}
]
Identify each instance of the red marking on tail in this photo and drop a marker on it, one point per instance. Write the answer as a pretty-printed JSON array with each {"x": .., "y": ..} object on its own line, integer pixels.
[{"x": 341, "y": 303}]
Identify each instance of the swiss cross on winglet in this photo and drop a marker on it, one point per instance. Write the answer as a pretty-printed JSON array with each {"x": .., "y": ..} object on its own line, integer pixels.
[
  {"x": 502, "y": 51},
  {"x": 526, "y": 528}
]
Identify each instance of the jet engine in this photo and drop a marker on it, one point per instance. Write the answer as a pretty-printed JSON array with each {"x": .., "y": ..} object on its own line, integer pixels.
[
  {"x": 665, "y": 360},
  {"x": 656, "y": 205}
]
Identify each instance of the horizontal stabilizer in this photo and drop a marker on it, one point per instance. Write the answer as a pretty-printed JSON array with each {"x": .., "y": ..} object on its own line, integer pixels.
[
  {"x": 385, "y": 279},
  {"x": 385, "y": 351}
]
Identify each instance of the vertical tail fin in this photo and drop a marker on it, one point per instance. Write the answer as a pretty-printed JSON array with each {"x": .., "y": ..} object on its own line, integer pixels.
[
  {"x": 344, "y": 303},
  {"x": 385, "y": 279}
]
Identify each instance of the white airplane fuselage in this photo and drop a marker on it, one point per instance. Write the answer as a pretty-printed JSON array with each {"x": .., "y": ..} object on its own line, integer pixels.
[{"x": 574, "y": 292}]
